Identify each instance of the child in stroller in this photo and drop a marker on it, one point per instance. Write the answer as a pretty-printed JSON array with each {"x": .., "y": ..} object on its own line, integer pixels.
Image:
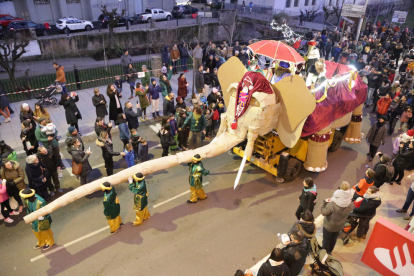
[
  {"x": 46, "y": 98},
  {"x": 324, "y": 264}
]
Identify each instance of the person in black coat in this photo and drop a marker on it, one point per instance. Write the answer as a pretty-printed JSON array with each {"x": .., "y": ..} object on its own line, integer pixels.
[
  {"x": 308, "y": 197},
  {"x": 380, "y": 169},
  {"x": 26, "y": 114},
  {"x": 403, "y": 160},
  {"x": 100, "y": 103},
  {"x": 38, "y": 176},
  {"x": 105, "y": 143},
  {"x": 81, "y": 157},
  {"x": 199, "y": 80},
  {"x": 101, "y": 126},
  {"x": 213, "y": 97},
  {"x": 366, "y": 210},
  {"x": 275, "y": 265},
  {"x": 28, "y": 135},
  {"x": 47, "y": 158},
  {"x": 168, "y": 104},
  {"x": 115, "y": 106},
  {"x": 295, "y": 253},
  {"x": 132, "y": 116},
  {"x": 71, "y": 110}
]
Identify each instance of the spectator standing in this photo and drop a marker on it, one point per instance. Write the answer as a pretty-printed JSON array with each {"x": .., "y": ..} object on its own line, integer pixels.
[
  {"x": 308, "y": 197},
  {"x": 405, "y": 117},
  {"x": 38, "y": 176},
  {"x": 132, "y": 116},
  {"x": 380, "y": 169},
  {"x": 40, "y": 112},
  {"x": 73, "y": 134},
  {"x": 154, "y": 91},
  {"x": 166, "y": 139},
  {"x": 4, "y": 106},
  {"x": 143, "y": 151},
  {"x": 207, "y": 81},
  {"x": 145, "y": 81},
  {"x": 182, "y": 131},
  {"x": 60, "y": 77},
  {"x": 123, "y": 129},
  {"x": 251, "y": 7},
  {"x": 105, "y": 143},
  {"x": 129, "y": 155},
  {"x": 409, "y": 199},
  {"x": 199, "y": 80},
  {"x": 275, "y": 265},
  {"x": 118, "y": 83},
  {"x": 115, "y": 106},
  {"x": 132, "y": 78},
  {"x": 101, "y": 126},
  {"x": 165, "y": 83},
  {"x": 335, "y": 212},
  {"x": 28, "y": 137},
  {"x": 47, "y": 158},
  {"x": 4, "y": 203},
  {"x": 395, "y": 113},
  {"x": 383, "y": 105},
  {"x": 363, "y": 184},
  {"x": 376, "y": 136},
  {"x": 306, "y": 224},
  {"x": 126, "y": 59},
  {"x": 175, "y": 56},
  {"x": 197, "y": 123},
  {"x": 182, "y": 86},
  {"x": 403, "y": 160},
  {"x": 168, "y": 105},
  {"x": 328, "y": 48},
  {"x": 49, "y": 141},
  {"x": 165, "y": 56},
  {"x": 71, "y": 110},
  {"x": 99, "y": 101},
  {"x": 180, "y": 103},
  {"x": 26, "y": 114},
  {"x": 198, "y": 56},
  {"x": 143, "y": 100},
  {"x": 13, "y": 173},
  {"x": 79, "y": 156},
  {"x": 397, "y": 53},
  {"x": 184, "y": 56},
  {"x": 295, "y": 252}
]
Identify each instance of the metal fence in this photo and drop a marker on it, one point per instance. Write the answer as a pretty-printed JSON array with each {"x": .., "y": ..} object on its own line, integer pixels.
[{"x": 90, "y": 75}]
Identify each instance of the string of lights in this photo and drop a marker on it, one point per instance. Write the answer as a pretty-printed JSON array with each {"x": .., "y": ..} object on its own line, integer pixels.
[{"x": 287, "y": 32}]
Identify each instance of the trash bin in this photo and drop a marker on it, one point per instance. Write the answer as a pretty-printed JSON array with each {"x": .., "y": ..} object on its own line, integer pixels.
[{"x": 194, "y": 16}]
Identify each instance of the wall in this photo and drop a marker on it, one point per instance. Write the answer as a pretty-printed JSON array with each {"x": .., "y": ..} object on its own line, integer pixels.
[
  {"x": 74, "y": 10},
  {"x": 7, "y": 8},
  {"x": 280, "y": 5}
]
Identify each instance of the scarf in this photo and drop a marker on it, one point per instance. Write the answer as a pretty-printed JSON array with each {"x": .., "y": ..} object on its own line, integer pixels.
[
  {"x": 367, "y": 196},
  {"x": 313, "y": 189},
  {"x": 274, "y": 263},
  {"x": 109, "y": 140},
  {"x": 196, "y": 117}
]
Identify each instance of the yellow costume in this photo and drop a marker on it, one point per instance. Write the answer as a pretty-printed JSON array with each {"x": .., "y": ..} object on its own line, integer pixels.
[{"x": 139, "y": 188}]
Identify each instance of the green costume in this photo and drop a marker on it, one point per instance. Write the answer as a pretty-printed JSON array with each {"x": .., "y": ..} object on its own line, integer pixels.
[
  {"x": 196, "y": 123},
  {"x": 42, "y": 225},
  {"x": 111, "y": 205},
  {"x": 139, "y": 189},
  {"x": 257, "y": 71},
  {"x": 196, "y": 175},
  {"x": 145, "y": 81}
]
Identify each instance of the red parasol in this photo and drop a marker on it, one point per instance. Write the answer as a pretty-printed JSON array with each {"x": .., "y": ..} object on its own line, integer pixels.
[{"x": 276, "y": 50}]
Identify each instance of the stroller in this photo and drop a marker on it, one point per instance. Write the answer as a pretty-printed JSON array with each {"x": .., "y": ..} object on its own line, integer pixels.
[
  {"x": 46, "y": 98},
  {"x": 324, "y": 264},
  {"x": 350, "y": 225}
]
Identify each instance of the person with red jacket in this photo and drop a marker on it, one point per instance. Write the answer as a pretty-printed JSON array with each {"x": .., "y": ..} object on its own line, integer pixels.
[
  {"x": 363, "y": 185},
  {"x": 215, "y": 119},
  {"x": 391, "y": 76},
  {"x": 383, "y": 105}
]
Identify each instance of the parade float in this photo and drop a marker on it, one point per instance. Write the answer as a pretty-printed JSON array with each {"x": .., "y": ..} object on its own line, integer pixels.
[{"x": 273, "y": 120}]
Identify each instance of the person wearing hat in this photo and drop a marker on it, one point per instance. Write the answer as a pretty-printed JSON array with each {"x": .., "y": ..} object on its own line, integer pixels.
[
  {"x": 281, "y": 72},
  {"x": 313, "y": 54},
  {"x": 380, "y": 169},
  {"x": 111, "y": 207},
  {"x": 376, "y": 136},
  {"x": 41, "y": 226},
  {"x": 254, "y": 66},
  {"x": 180, "y": 103},
  {"x": 213, "y": 96},
  {"x": 196, "y": 179},
  {"x": 48, "y": 159},
  {"x": 403, "y": 160},
  {"x": 73, "y": 133},
  {"x": 139, "y": 188}
]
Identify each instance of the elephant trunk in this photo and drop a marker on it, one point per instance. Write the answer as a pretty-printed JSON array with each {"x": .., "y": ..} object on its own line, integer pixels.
[{"x": 223, "y": 143}]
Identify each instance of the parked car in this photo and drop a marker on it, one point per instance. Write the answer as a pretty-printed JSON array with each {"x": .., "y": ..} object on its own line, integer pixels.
[
  {"x": 202, "y": 1},
  {"x": 1, "y": 33},
  {"x": 5, "y": 19},
  {"x": 18, "y": 27},
  {"x": 73, "y": 24},
  {"x": 104, "y": 20},
  {"x": 154, "y": 14},
  {"x": 179, "y": 11}
]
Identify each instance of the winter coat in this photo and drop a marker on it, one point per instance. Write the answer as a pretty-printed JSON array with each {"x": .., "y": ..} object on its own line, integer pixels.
[
  {"x": 39, "y": 114},
  {"x": 71, "y": 110},
  {"x": 212, "y": 98},
  {"x": 183, "y": 51},
  {"x": 28, "y": 116},
  {"x": 335, "y": 216},
  {"x": 126, "y": 60},
  {"x": 199, "y": 80},
  {"x": 175, "y": 55},
  {"x": 35, "y": 174},
  {"x": 132, "y": 75},
  {"x": 107, "y": 149},
  {"x": 194, "y": 125},
  {"x": 294, "y": 255},
  {"x": 363, "y": 185},
  {"x": 271, "y": 268},
  {"x": 165, "y": 87},
  {"x": 4, "y": 100},
  {"x": 166, "y": 139},
  {"x": 383, "y": 104},
  {"x": 100, "y": 107},
  {"x": 182, "y": 88},
  {"x": 130, "y": 158},
  {"x": 308, "y": 229},
  {"x": 113, "y": 109},
  {"x": 406, "y": 116},
  {"x": 30, "y": 137},
  {"x": 69, "y": 137},
  {"x": 307, "y": 198},
  {"x": 60, "y": 74},
  {"x": 168, "y": 106},
  {"x": 376, "y": 140},
  {"x": 143, "y": 98},
  {"x": 368, "y": 206},
  {"x": 215, "y": 81},
  {"x": 403, "y": 160},
  {"x": 16, "y": 174},
  {"x": 41, "y": 137},
  {"x": 124, "y": 131},
  {"x": 154, "y": 92},
  {"x": 48, "y": 160},
  {"x": 380, "y": 170},
  {"x": 132, "y": 117},
  {"x": 164, "y": 55},
  {"x": 81, "y": 157},
  {"x": 207, "y": 78},
  {"x": 3, "y": 193},
  {"x": 142, "y": 152},
  {"x": 145, "y": 81}
]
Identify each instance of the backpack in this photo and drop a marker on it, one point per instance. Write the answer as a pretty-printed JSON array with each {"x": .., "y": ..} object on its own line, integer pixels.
[{"x": 389, "y": 171}]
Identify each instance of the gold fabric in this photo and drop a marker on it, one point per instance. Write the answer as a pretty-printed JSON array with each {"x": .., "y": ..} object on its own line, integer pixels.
[
  {"x": 140, "y": 216},
  {"x": 44, "y": 237},
  {"x": 197, "y": 193},
  {"x": 115, "y": 223}
]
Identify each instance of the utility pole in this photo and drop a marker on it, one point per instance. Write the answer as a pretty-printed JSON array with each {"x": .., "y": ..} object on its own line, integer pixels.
[{"x": 360, "y": 21}]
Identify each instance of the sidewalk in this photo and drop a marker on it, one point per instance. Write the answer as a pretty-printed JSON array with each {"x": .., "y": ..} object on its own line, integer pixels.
[{"x": 10, "y": 132}]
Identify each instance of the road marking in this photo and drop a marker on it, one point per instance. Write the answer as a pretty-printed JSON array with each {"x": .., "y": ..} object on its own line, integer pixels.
[
  {"x": 67, "y": 165},
  {"x": 68, "y": 244},
  {"x": 318, "y": 223},
  {"x": 236, "y": 169},
  {"x": 177, "y": 196},
  {"x": 156, "y": 127}
]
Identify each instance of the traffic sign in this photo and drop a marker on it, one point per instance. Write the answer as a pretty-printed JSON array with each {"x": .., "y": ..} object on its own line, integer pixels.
[{"x": 350, "y": 10}]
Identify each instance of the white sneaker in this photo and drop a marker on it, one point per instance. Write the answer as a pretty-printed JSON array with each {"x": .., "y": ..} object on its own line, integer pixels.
[
  {"x": 8, "y": 220},
  {"x": 7, "y": 120},
  {"x": 14, "y": 213}
]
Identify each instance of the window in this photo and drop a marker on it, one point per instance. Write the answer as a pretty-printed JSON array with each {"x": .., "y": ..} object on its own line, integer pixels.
[
  {"x": 73, "y": 1},
  {"x": 306, "y": 2},
  {"x": 69, "y": 22},
  {"x": 32, "y": 25},
  {"x": 1, "y": 1},
  {"x": 296, "y": 3},
  {"x": 161, "y": 11},
  {"x": 313, "y": 2},
  {"x": 10, "y": 18},
  {"x": 287, "y": 3},
  {"x": 41, "y": 2},
  {"x": 3, "y": 18}
]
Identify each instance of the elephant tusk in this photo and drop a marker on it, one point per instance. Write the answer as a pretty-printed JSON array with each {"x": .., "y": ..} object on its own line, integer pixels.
[
  {"x": 224, "y": 142},
  {"x": 236, "y": 182}
]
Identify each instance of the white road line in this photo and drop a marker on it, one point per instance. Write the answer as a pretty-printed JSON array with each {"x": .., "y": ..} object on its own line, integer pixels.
[
  {"x": 68, "y": 244},
  {"x": 155, "y": 128},
  {"x": 67, "y": 165},
  {"x": 256, "y": 267},
  {"x": 177, "y": 196}
]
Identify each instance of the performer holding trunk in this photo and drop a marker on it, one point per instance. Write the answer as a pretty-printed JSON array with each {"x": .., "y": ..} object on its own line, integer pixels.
[
  {"x": 111, "y": 207},
  {"x": 139, "y": 188},
  {"x": 41, "y": 226},
  {"x": 196, "y": 179}
]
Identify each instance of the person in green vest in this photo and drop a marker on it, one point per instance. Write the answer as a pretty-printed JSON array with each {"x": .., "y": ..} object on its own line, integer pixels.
[
  {"x": 41, "y": 226},
  {"x": 146, "y": 79},
  {"x": 139, "y": 188},
  {"x": 197, "y": 124},
  {"x": 196, "y": 179},
  {"x": 111, "y": 207}
]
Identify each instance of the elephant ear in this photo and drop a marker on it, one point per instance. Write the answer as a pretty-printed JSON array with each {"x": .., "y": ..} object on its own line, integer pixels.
[
  {"x": 232, "y": 71},
  {"x": 298, "y": 103}
]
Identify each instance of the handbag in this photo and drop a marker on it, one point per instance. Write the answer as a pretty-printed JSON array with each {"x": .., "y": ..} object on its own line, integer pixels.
[{"x": 76, "y": 168}]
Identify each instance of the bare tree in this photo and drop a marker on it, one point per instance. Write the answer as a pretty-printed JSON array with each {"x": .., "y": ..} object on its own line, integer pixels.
[
  {"x": 337, "y": 9},
  {"x": 11, "y": 49},
  {"x": 113, "y": 22},
  {"x": 327, "y": 12},
  {"x": 191, "y": 54},
  {"x": 231, "y": 24}
]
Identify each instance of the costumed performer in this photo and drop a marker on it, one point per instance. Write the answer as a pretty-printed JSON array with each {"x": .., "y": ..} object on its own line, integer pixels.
[
  {"x": 139, "y": 188},
  {"x": 111, "y": 207},
  {"x": 254, "y": 66},
  {"x": 196, "y": 179},
  {"x": 313, "y": 54},
  {"x": 317, "y": 73},
  {"x": 41, "y": 226},
  {"x": 282, "y": 71}
]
